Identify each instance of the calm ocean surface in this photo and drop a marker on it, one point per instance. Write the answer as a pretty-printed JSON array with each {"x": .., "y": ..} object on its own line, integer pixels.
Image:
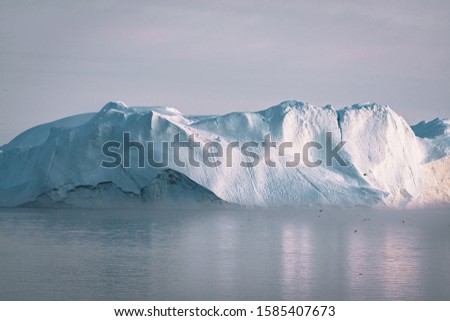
[{"x": 357, "y": 254}]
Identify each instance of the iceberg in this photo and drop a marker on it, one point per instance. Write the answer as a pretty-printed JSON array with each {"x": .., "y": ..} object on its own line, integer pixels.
[
  {"x": 434, "y": 138},
  {"x": 432, "y": 129},
  {"x": 60, "y": 163}
]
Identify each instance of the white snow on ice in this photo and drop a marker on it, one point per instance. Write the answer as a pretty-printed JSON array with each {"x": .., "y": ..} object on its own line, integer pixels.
[{"x": 385, "y": 156}]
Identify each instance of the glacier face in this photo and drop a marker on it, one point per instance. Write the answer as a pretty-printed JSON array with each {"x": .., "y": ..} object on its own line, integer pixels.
[{"x": 381, "y": 150}]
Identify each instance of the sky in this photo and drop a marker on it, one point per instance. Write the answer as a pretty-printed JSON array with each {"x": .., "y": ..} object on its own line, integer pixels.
[{"x": 60, "y": 58}]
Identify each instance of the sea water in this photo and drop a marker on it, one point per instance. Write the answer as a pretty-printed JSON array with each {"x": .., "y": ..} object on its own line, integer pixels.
[{"x": 213, "y": 254}]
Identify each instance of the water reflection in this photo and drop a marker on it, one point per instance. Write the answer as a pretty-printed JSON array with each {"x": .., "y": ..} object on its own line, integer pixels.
[
  {"x": 400, "y": 266},
  {"x": 223, "y": 255},
  {"x": 297, "y": 261},
  {"x": 226, "y": 260}
]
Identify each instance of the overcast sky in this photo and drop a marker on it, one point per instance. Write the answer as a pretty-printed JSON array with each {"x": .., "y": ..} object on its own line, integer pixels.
[{"x": 59, "y": 58}]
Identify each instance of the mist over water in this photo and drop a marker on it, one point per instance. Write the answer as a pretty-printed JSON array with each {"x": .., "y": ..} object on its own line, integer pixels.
[{"x": 304, "y": 254}]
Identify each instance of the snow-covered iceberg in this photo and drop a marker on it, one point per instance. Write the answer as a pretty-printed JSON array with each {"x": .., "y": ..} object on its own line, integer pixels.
[
  {"x": 60, "y": 162},
  {"x": 434, "y": 138},
  {"x": 432, "y": 129}
]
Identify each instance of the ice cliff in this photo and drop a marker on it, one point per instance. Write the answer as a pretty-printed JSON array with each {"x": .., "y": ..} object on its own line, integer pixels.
[{"x": 59, "y": 162}]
